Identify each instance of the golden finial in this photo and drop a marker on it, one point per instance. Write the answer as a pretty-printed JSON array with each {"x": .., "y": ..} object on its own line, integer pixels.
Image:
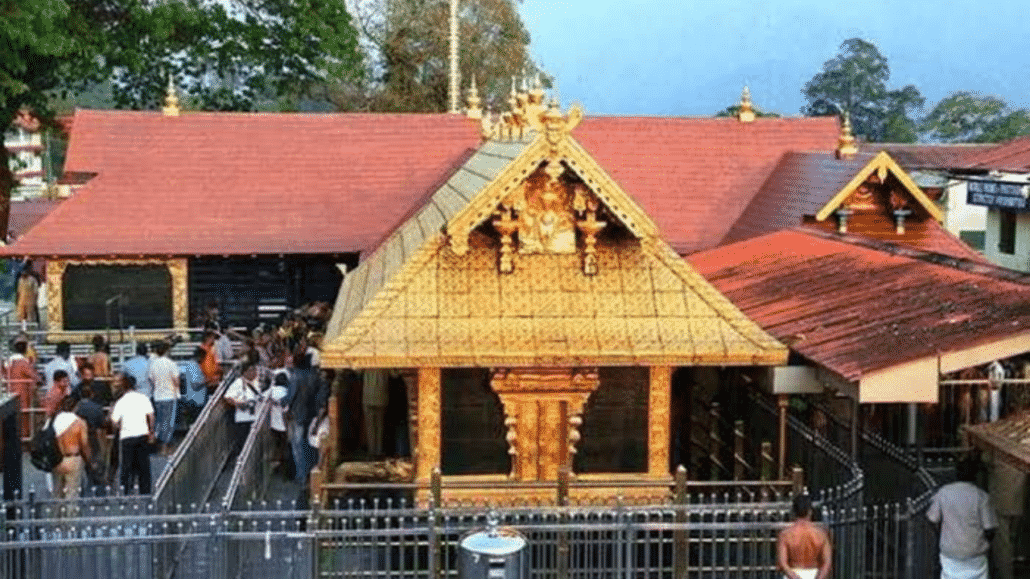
[
  {"x": 171, "y": 108},
  {"x": 536, "y": 95},
  {"x": 472, "y": 101},
  {"x": 745, "y": 114},
  {"x": 846, "y": 147}
]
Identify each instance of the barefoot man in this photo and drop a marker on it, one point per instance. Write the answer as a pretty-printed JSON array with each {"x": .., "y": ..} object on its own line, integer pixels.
[
  {"x": 73, "y": 441},
  {"x": 803, "y": 549}
]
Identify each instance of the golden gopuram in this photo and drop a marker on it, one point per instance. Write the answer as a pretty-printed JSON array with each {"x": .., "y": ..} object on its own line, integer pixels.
[{"x": 538, "y": 317}]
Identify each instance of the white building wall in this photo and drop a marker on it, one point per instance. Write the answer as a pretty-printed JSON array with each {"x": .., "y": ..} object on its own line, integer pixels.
[
  {"x": 26, "y": 161},
  {"x": 960, "y": 216},
  {"x": 1020, "y": 259}
]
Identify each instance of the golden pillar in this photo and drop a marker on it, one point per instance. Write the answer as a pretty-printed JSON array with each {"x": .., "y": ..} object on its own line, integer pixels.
[
  {"x": 659, "y": 410},
  {"x": 427, "y": 453}
]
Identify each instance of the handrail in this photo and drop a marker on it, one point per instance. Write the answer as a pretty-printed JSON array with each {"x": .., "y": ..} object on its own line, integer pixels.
[
  {"x": 212, "y": 412},
  {"x": 252, "y": 451},
  {"x": 848, "y": 489}
]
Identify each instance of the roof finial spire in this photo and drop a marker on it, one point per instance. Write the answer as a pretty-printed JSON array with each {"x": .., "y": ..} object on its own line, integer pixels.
[
  {"x": 472, "y": 101},
  {"x": 171, "y": 108},
  {"x": 846, "y": 147},
  {"x": 745, "y": 113}
]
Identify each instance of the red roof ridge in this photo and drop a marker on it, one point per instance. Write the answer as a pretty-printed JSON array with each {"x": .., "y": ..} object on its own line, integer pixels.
[
  {"x": 958, "y": 263},
  {"x": 272, "y": 114}
]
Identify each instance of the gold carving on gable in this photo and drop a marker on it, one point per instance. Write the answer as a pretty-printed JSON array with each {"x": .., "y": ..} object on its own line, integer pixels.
[{"x": 546, "y": 214}]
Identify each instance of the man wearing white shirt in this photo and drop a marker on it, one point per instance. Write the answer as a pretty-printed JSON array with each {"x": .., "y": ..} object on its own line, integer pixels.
[
  {"x": 244, "y": 395},
  {"x": 133, "y": 418},
  {"x": 163, "y": 374},
  {"x": 61, "y": 361}
]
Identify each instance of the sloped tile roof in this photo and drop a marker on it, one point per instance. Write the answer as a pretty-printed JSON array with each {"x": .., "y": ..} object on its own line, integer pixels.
[
  {"x": 695, "y": 176},
  {"x": 799, "y": 186},
  {"x": 228, "y": 183},
  {"x": 1010, "y": 436},
  {"x": 406, "y": 241},
  {"x": 918, "y": 156},
  {"x": 857, "y": 305},
  {"x": 241, "y": 183},
  {"x": 803, "y": 183},
  {"x": 1011, "y": 156},
  {"x": 26, "y": 214},
  {"x": 644, "y": 307}
]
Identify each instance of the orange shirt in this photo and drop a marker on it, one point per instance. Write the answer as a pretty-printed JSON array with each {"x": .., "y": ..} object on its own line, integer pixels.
[{"x": 212, "y": 371}]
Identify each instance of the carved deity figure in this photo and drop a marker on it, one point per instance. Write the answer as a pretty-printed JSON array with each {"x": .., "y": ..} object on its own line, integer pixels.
[{"x": 546, "y": 222}]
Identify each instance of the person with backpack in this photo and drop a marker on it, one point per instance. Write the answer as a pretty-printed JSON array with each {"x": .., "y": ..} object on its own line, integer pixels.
[{"x": 73, "y": 442}]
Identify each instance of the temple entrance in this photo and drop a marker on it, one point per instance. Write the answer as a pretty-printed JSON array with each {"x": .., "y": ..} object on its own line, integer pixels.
[{"x": 534, "y": 402}]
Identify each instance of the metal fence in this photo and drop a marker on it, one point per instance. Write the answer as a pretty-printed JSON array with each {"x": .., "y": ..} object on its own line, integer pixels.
[{"x": 396, "y": 539}]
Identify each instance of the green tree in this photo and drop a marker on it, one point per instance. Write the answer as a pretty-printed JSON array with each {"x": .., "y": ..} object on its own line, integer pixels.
[
  {"x": 855, "y": 81},
  {"x": 235, "y": 55},
  {"x": 407, "y": 47},
  {"x": 968, "y": 117},
  {"x": 732, "y": 110}
]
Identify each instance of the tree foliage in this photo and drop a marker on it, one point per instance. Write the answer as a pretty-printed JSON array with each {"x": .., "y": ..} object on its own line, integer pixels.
[
  {"x": 231, "y": 55},
  {"x": 732, "y": 110},
  {"x": 856, "y": 81},
  {"x": 971, "y": 117},
  {"x": 407, "y": 46}
]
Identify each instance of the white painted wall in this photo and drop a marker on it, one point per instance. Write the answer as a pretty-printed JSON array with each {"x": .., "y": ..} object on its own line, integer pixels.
[
  {"x": 1021, "y": 258},
  {"x": 958, "y": 215}
]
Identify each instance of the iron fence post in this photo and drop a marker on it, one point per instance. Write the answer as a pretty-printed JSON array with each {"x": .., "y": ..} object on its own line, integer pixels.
[
  {"x": 436, "y": 490},
  {"x": 680, "y": 534},
  {"x": 563, "y": 520},
  {"x": 910, "y": 539}
]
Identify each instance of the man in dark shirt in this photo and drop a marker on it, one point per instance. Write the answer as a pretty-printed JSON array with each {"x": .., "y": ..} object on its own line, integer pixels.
[
  {"x": 100, "y": 388},
  {"x": 91, "y": 411}
]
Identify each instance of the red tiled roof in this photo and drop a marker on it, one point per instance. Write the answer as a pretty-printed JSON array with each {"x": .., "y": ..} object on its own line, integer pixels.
[
  {"x": 799, "y": 186},
  {"x": 26, "y": 214},
  {"x": 855, "y": 306},
  {"x": 220, "y": 183},
  {"x": 1011, "y": 155},
  {"x": 917, "y": 156},
  {"x": 694, "y": 176},
  {"x": 803, "y": 183},
  {"x": 231, "y": 183}
]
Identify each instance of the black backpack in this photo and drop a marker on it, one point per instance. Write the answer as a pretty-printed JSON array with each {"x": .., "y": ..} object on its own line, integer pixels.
[{"x": 43, "y": 451}]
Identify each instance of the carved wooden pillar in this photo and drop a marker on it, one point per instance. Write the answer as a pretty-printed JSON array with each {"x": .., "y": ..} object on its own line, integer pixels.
[
  {"x": 532, "y": 407},
  {"x": 658, "y": 417},
  {"x": 428, "y": 453}
]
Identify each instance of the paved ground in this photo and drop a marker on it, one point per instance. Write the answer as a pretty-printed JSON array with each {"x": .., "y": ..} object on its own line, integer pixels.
[{"x": 35, "y": 480}]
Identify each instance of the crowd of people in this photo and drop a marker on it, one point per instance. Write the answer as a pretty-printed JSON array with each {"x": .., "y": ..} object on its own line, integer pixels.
[{"x": 142, "y": 405}]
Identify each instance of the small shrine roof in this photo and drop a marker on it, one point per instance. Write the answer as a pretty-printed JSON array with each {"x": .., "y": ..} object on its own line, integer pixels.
[
  {"x": 1009, "y": 437},
  {"x": 805, "y": 184},
  {"x": 857, "y": 306}
]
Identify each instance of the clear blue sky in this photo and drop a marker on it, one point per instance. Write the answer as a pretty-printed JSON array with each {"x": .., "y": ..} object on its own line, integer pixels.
[{"x": 672, "y": 57}]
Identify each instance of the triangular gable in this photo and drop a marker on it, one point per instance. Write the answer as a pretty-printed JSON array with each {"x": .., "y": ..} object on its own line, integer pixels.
[
  {"x": 882, "y": 164},
  {"x": 622, "y": 298}
]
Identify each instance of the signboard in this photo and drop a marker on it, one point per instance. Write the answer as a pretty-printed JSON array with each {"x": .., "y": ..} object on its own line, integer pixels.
[{"x": 1000, "y": 194}]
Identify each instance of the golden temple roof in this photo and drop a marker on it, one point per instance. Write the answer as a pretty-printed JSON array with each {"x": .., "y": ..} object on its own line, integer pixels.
[{"x": 571, "y": 272}]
